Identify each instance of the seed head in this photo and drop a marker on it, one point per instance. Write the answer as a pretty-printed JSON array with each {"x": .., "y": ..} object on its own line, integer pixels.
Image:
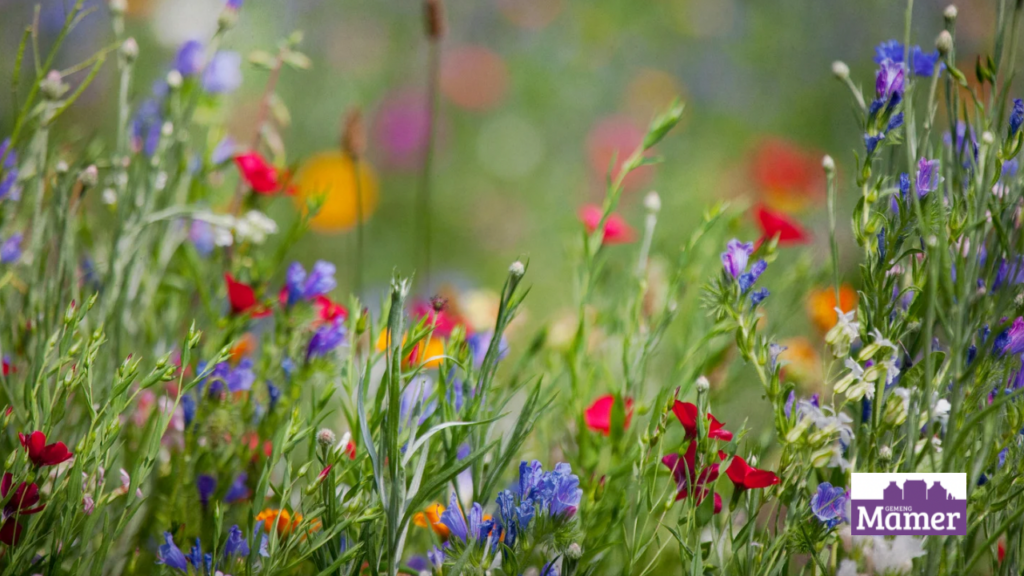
[
  {"x": 353, "y": 138},
  {"x": 325, "y": 437},
  {"x": 434, "y": 17}
]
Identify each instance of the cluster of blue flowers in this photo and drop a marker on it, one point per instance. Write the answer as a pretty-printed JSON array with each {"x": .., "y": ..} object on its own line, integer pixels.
[
  {"x": 236, "y": 546},
  {"x": 10, "y": 249},
  {"x": 735, "y": 260},
  {"x": 302, "y": 286},
  {"x": 890, "y": 79}
]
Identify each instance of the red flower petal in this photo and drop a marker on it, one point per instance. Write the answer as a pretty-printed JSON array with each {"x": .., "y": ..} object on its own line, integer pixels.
[
  {"x": 774, "y": 223},
  {"x": 717, "y": 430},
  {"x": 350, "y": 449},
  {"x": 329, "y": 311},
  {"x": 616, "y": 230},
  {"x": 687, "y": 415},
  {"x": 258, "y": 173},
  {"x": 598, "y": 416},
  {"x": 242, "y": 298},
  {"x": 745, "y": 477},
  {"x": 10, "y": 532}
]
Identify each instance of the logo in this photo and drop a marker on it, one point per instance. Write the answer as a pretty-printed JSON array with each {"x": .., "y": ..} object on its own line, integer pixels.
[{"x": 913, "y": 504}]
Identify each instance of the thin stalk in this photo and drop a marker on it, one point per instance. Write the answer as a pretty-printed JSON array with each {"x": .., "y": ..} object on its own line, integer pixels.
[{"x": 424, "y": 212}]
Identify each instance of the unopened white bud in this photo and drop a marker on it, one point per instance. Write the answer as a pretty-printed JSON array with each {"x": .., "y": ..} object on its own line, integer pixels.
[
  {"x": 828, "y": 164},
  {"x": 130, "y": 49},
  {"x": 61, "y": 167},
  {"x": 652, "y": 201},
  {"x": 118, "y": 7},
  {"x": 949, "y": 13},
  {"x": 52, "y": 87},
  {"x": 885, "y": 453},
  {"x": 174, "y": 79},
  {"x": 90, "y": 176},
  {"x": 166, "y": 129},
  {"x": 326, "y": 437},
  {"x": 944, "y": 43},
  {"x": 517, "y": 269},
  {"x": 988, "y": 138},
  {"x": 840, "y": 70},
  {"x": 703, "y": 384},
  {"x": 574, "y": 552}
]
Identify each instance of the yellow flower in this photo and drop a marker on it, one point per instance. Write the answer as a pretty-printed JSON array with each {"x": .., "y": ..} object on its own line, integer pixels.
[
  {"x": 821, "y": 305},
  {"x": 333, "y": 175}
]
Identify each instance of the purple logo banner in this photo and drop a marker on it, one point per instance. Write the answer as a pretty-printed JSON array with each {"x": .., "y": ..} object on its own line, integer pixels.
[{"x": 914, "y": 504}]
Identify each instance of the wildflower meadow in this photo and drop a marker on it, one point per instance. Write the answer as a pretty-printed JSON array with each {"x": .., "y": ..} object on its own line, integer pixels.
[{"x": 205, "y": 373}]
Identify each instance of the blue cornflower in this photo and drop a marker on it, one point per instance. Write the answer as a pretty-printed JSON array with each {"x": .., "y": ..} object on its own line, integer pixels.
[
  {"x": 238, "y": 490},
  {"x": 325, "y": 339},
  {"x": 10, "y": 250},
  {"x": 170, "y": 555},
  {"x": 923, "y": 63},
  {"x": 319, "y": 282},
  {"x": 202, "y": 236},
  {"x": 1016, "y": 116},
  {"x": 224, "y": 73},
  {"x": 829, "y": 504},
  {"x": 889, "y": 50},
  {"x": 207, "y": 485},
  {"x": 190, "y": 58},
  {"x": 236, "y": 544}
]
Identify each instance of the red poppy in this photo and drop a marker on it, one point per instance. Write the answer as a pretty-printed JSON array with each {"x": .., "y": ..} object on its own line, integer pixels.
[
  {"x": 598, "y": 416},
  {"x": 41, "y": 453},
  {"x": 258, "y": 173},
  {"x": 774, "y": 223},
  {"x": 785, "y": 174},
  {"x": 243, "y": 298},
  {"x": 684, "y": 471},
  {"x": 616, "y": 230},
  {"x": 687, "y": 415},
  {"x": 746, "y": 477},
  {"x": 330, "y": 310}
]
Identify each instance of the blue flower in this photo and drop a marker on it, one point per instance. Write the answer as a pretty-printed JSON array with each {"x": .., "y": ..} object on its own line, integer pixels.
[
  {"x": 736, "y": 256},
  {"x": 288, "y": 367},
  {"x": 895, "y": 122},
  {"x": 567, "y": 494},
  {"x": 189, "y": 60},
  {"x": 274, "y": 393},
  {"x": 202, "y": 237},
  {"x": 9, "y": 171},
  {"x": 236, "y": 544},
  {"x": 871, "y": 142},
  {"x": 302, "y": 287},
  {"x": 241, "y": 378},
  {"x": 10, "y": 250},
  {"x": 747, "y": 279},
  {"x": 923, "y": 63},
  {"x": 1016, "y": 116},
  {"x": 199, "y": 560},
  {"x": 453, "y": 519},
  {"x": 928, "y": 176},
  {"x": 829, "y": 504},
  {"x": 325, "y": 339},
  {"x": 223, "y": 151},
  {"x": 436, "y": 556},
  {"x": 549, "y": 569},
  {"x": 224, "y": 73},
  {"x": 206, "y": 485},
  {"x": 889, "y": 81},
  {"x": 890, "y": 50},
  {"x": 238, "y": 490},
  {"x": 1012, "y": 341},
  {"x": 507, "y": 513},
  {"x": 773, "y": 354},
  {"x": 479, "y": 343},
  {"x": 414, "y": 401},
  {"x": 188, "y": 409},
  {"x": 8, "y": 155},
  {"x": 170, "y": 555},
  {"x": 233, "y": 4}
]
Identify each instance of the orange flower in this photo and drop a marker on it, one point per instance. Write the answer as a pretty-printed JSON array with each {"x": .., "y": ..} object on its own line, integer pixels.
[
  {"x": 801, "y": 361},
  {"x": 432, "y": 514},
  {"x": 428, "y": 352},
  {"x": 284, "y": 520},
  {"x": 333, "y": 175},
  {"x": 244, "y": 347},
  {"x": 821, "y": 305}
]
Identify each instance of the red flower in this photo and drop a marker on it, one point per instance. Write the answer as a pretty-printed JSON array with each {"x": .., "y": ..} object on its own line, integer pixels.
[
  {"x": 324, "y": 473},
  {"x": 444, "y": 321},
  {"x": 786, "y": 174},
  {"x": 329, "y": 310},
  {"x": 616, "y": 231},
  {"x": 746, "y": 477},
  {"x": 258, "y": 173},
  {"x": 21, "y": 503},
  {"x": 41, "y": 453},
  {"x": 687, "y": 415},
  {"x": 8, "y": 368},
  {"x": 350, "y": 449},
  {"x": 599, "y": 415},
  {"x": 774, "y": 223},
  {"x": 243, "y": 298},
  {"x": 684, "y": 471}
]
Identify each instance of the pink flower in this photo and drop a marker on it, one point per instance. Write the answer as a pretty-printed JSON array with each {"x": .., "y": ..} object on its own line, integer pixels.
[
  {"x": 598, "y": 416},
  {"x": 616, "y": 230},
  {"x": 258, "y": 173}
]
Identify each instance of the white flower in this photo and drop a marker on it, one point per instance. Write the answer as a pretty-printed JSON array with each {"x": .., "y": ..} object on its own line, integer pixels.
[
  {"x": 894, "y": 556},
  {"x": 882, "y": 340},
  {"x": 254, "y": 226},
  {"x": 847, "y": 568},
  {"x": 109, "y": 196},
  {"x": 940, "y": 411}
]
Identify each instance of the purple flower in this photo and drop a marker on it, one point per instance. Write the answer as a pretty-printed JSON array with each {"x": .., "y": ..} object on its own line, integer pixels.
[
  {"x": 241, "y": 378},
  {"x": 890, "y": 50},
  {"x": 928, "y": 176},
  {"x": 1014, "y": 338},
  {"x": 238, "y": 490},
  {"x": 224, "y": 73},
  {"x": 567, "y": 493},
  {"x": 923, "y": 63},
  {"x": 414, "y": 401},
  {"x": 325, "y": 339},
  {"x": 453, "y": 519},
  {"x": 436, "y": 556},
  {"x": 10, "y": 250},
  {"x": 479, "y": 343},
  {"x": 773, "y": 354},
  {"x": 736, "y": 256},
  {"x": 507, "y": 513},
  {"x": 233, "y": 4},
  {"x": 889, "y": 80},
  {"x": 202, "y": 237},
  {"x": 170, "y": 555},
  {"x": 206, "y": 485},
  {"x": 189, "y": 60},
  {"x": 9, "y": 171},
  {"x": 188, "y": 409},
  {"x": 223, "y": 151},
  {"x": 236, "y": 544},
  {"x": 829, "y": 504},
  {"x": 8, "y": 155},
  {"x": 479, "y": 529},
  {"x": 1016, "y": 116},
  {"x": 320, "y": 281}
]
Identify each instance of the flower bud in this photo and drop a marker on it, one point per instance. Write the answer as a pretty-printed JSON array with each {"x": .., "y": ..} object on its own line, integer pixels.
[
  {"x": 987, "y": 138},
  {"x": 840, "y": 70},
  {"x": 52, "y": 87},
  {"x": 652, "y": 202},
  {"x": 885, "y": 452},
  {"x": 325, "y": 437},
  {"x": 118, "y": 7},
  {"x": 949, "y": 13},
  {"x": 90, "y": 176},
  {"x": 174, "y": 79},
  {"x": 61, "y": 167},
  {"x": 828, "y": 164},
  {"x": 517, "y": 269},
  {"x": 130, "y": 50},
  {"x": 944, "y": 43},
  {"x": 574, "y": 552},
  {"x": 703, "y": 385}
]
